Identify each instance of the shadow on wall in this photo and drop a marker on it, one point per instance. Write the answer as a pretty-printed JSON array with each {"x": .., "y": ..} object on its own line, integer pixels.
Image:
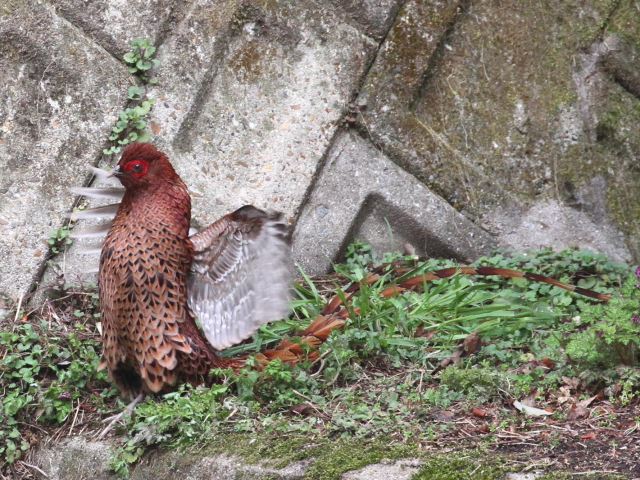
[{"x": 386, "y": 228}]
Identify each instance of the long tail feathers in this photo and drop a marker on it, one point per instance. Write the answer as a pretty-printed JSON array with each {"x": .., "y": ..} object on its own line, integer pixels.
[
  {"x": 502, "y": 272},
  {"x": 310, "y": 339},
  {"x": 334, "y": 314}
]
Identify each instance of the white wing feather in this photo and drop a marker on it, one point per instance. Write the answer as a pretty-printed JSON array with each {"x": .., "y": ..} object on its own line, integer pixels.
[
  {"x": 95, "y": 212},
  {"x": 94, "y": 231},
  {"x": 240, "y": 276},
  {"x": 99, "y": 192}
]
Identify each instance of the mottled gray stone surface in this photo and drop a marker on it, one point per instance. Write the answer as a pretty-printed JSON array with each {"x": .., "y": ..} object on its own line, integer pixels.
[
  {"x": 550, "y": 223},
  {"x": 378, "y": 202},
  {"x": 496, "y": 111},
  {"x": 77, "y": 458},
  {"x": 387, "y": 469},
  {"x": 59, "y": 90},
  {"x": 514, "y": 130}
]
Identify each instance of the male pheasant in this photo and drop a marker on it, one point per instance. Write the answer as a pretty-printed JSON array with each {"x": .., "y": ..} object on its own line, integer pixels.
[
  {"x": 154, "y": 278},
  {"x": 233, "y": 275}
]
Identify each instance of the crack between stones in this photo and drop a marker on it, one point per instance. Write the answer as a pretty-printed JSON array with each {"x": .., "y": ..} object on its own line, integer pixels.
[
  {"x": 342, "y": 12},
  {"x": 374, "y": 57},
  {"x": 607, "y": 21},
  {"x": 178, "y": 13},
  {"x": 183, "y": 140},
  {"x": 85, "y": 33},
  {"x": 624, "y": 84},
  {"x": 436, "y": 56},
  {"x": 342, "y": 130},
  {"x": 316, "y": 177}
]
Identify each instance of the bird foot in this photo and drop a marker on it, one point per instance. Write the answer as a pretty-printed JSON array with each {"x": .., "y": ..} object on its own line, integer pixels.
[{"x": 115, "y": 418}]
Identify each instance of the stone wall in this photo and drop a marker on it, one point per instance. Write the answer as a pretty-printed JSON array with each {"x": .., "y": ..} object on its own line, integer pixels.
[{"x": 452, "y": 126}]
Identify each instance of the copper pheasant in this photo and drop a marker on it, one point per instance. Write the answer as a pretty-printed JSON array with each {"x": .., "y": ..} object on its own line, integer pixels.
[{"x": 154, "y": 278}]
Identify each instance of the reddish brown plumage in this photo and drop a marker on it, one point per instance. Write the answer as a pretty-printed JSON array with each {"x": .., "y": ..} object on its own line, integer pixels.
[
  {"x": 152, "y": 277},
  {"x": 233, "y": 274},
  {"x": 150, "y": 339}
]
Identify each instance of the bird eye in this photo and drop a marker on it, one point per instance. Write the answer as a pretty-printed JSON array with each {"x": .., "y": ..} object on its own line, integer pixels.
[{"x": 137, "y": 167}]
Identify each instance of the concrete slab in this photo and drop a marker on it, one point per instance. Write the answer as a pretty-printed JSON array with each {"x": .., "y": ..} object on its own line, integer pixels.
[
  {"x": 360, "y": 193},
  {"x": 250, "y": 97},
  {"x": 59, "y": 92},
  {"x": 113, "y": 23},
  {"x": 493, "y": 111}
]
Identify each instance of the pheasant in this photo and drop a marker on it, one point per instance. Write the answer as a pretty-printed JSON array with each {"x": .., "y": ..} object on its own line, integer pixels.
[{"x": 154, "y": 278}]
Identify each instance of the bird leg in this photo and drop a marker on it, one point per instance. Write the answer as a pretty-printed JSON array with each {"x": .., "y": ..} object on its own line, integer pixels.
[{"x": 115, "y": 418}]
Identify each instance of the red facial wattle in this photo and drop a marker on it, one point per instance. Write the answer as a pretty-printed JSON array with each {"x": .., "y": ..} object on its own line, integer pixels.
[{"x": 137, "y": 167}]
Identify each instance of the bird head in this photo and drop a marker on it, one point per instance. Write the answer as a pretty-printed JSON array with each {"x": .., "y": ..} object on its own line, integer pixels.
[{"x": 141, "y": 166}]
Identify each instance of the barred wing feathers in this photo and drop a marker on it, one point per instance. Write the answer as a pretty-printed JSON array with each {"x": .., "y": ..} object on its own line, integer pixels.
[{"x": 240, "y": 275}]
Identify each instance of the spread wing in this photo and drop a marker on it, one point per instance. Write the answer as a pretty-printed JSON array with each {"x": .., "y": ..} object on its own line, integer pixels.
[{"x": 240, "y": 275}]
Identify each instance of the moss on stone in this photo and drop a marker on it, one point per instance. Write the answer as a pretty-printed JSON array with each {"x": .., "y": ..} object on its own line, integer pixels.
[
  {"x": 454, "y": 467},
  {"x": 329, "y": 458},
  {"x": 499, "y": 98}
]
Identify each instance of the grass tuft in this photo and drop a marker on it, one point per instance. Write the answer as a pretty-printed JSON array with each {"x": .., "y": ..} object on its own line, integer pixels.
[{"x": 391, "y": 373}]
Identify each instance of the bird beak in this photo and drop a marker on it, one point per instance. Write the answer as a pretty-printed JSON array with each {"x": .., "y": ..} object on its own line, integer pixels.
[{"x": 114, "y": 172}]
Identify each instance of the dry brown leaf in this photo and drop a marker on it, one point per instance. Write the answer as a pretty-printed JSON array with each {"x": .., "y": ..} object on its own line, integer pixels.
[
  {"x": 478, "y": 412},
  {"x": 572, "y": 383},
  {"x": 585, "y": 403},
  {"x": 577, "y": 411},
  {"x": 391, "y": 290}
]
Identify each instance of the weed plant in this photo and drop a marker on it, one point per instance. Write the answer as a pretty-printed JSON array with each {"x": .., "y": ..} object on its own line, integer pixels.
[
  {"x": 374, "y": 377},
  {"x": 132, "y": 121}
]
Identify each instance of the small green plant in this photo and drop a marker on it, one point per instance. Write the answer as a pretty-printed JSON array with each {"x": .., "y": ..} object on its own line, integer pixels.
[
  {"x": 131, "y": 124},
  {"x": 58, "y": 238},
  {"x": 179, "y": 418},
  {"x": 477, "y": 384},
  {"x": 140, "y": 61},
  {"x": 610, "y": 332},
  {"x": 373, "y": 378},
  {"x": 44, "y": 367}
]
